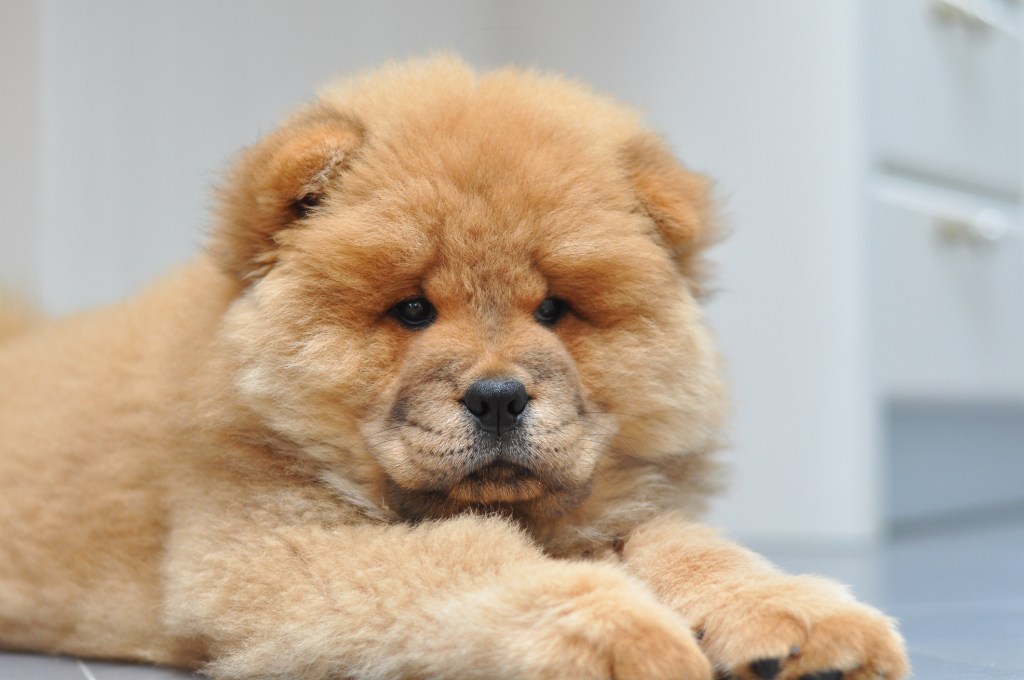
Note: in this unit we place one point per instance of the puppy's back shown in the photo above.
(16, 316)
(87, 406)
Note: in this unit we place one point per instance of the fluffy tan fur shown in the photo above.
(254, 469)
(15, 316)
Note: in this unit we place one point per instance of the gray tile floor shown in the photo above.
(959, 597)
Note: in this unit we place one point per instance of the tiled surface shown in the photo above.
(18, 666)
(959, 597)
(94, 670)
(32, 667)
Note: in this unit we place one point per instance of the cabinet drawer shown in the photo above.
(945, 90)
(947, 306)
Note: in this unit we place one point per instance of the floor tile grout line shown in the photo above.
(85, 670)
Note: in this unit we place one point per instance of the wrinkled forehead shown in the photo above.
(485, 204)
(516, 234)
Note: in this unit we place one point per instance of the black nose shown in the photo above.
(497, 403)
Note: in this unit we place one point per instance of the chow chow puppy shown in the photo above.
(437, 402)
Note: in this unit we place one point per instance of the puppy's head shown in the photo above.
(464, 291)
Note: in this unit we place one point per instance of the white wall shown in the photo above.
(143, 103)
(19, 152)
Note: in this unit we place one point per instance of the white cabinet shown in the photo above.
(944, 229)
(945, 253)
(944, 90)
(947, 288)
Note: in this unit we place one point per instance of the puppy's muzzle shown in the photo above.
(496, 403)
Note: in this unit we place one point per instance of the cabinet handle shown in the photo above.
(972, 14)
(988, 227)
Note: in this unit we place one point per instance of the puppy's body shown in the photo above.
(91, 410)
(15, 317)
(271, 464)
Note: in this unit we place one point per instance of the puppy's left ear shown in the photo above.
(678, 201)
(277, 183)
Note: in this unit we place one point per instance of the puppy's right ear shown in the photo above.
(277, 183)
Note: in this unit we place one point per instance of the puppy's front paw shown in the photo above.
(800, 628)
(592, 623)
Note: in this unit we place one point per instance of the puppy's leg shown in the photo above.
(757, 622)
(464, 598)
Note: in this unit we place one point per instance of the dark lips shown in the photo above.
(500, 473)
(499, 482)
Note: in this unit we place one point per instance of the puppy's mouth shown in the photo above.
(498, 482)
(499, 472)
(498, 486)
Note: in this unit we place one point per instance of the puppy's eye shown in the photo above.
(305, 205)
(415, 312)
(550, 310)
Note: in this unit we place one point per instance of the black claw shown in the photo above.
(766, 669)
(823, 675)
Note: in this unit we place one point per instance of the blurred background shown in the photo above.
(868, 155)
